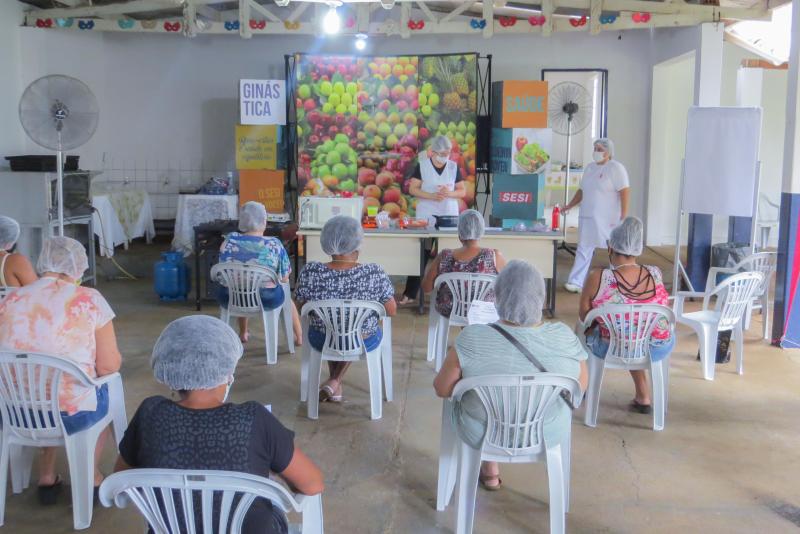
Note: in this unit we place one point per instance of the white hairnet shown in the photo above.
(627, 237)
(63, 255)
(252, 217)
(441, 143)
(9, 232)
(606, 143)
(519, 293)
(195, 352)
(470, 225)
(341, 235)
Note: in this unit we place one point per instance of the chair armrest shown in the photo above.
(106, 379)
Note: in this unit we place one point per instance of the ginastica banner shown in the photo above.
(362, 123)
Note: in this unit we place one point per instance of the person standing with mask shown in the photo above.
(603, 196)
(438, 185)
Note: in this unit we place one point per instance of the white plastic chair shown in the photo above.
(734, 296)
(163, 496)
(768, 218)
(516, 407)
(29, 390)
(244, 282)
(630, 327)
(761, 262)
(343, 320)
(465, 287)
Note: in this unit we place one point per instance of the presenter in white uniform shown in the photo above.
(438, 185)
(603, 197)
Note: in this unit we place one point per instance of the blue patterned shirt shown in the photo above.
(265, 251)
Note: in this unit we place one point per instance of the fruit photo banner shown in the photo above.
(363, 121)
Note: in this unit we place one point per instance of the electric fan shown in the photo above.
(60, 113)
(569, 112)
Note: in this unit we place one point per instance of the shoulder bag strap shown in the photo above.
(536, 363)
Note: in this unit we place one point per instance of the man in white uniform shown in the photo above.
(603, 197)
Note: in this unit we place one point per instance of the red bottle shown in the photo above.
(556, 217)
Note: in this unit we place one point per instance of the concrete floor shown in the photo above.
(726, 462)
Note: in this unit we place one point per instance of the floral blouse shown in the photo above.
(317, 281)
(483, 263)
(609, 293)
(265, 251)
(57, 318)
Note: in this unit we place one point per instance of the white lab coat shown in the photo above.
(431, 181)
(599, 212)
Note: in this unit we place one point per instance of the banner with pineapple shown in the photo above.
(362, 123)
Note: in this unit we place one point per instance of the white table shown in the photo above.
(194, 210)
(401, 252)
(120, 217)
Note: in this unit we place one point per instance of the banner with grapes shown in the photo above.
(362, 123)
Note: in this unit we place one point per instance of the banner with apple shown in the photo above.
(363, 121)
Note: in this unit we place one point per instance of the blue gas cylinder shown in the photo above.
(171, 277)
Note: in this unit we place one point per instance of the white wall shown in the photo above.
(11, 134)
(168, 104)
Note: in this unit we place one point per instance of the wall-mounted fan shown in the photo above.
(59, 113)
(569, 112)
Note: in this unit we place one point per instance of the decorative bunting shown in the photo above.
(125, 24)
(291, 25)
(416, 24)
(64, 23)
(232, 25)
(148, 24)
(537, 21)
(505, 22)
(607, 19)
(85, 24)
(257, 24)
(640, 17)
(478, 24)
(577, 23)
(172, 26)
(44, 23)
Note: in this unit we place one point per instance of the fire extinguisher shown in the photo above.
(554, 223)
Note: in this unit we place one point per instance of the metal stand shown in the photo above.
(81, 220)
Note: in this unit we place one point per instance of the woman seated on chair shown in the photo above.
(480, 350)
(196, 356)
(627, 282)
(56, 316)
(15, 269)
(470, 258)
(252, 246)
(346, 279)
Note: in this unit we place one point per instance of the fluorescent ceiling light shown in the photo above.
(331, 22)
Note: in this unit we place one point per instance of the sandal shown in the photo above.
(405, 301)
(328, 394)
(490, 487)
(48, 495)
(644, 409)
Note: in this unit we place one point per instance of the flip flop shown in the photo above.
(644, 409)
(494, 487)
(48, 495)
(328, 394)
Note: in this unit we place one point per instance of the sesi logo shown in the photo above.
(516, 198)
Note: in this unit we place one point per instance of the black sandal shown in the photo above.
(48, 495)
(644, 409)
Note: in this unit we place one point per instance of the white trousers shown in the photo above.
(583, 260)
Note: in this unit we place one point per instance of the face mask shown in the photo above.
(598, 156)
(227, 391)
(439, 161)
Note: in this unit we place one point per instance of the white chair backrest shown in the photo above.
(29, 389)
(343, 320)
(734, 295)
(465, 287)
(516, 407)
(768, 211)
(173, 500)
(244, 282)
(765, 263)
(630, 327)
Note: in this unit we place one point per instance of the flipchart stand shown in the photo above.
(719, 169)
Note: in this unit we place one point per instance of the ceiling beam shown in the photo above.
(134, 6)
(595, 10)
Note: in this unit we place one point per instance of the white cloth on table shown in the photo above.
(121, 216)
(194, 210)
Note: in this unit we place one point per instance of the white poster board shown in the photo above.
(721, 161)
(262, 102)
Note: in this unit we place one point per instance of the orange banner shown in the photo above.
(262, 186)
(524, 104)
